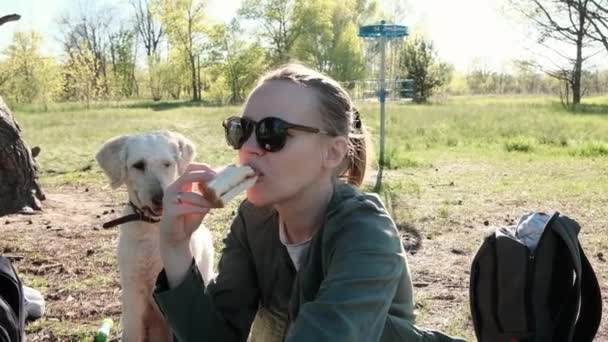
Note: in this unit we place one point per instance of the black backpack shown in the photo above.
(12, 313)
(551, 294)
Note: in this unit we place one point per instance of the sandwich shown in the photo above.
(227, 184)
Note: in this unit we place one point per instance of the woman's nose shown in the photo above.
(250, 146)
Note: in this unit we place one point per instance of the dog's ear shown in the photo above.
(112, 158)
(185, 151)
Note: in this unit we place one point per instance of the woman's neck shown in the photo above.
(303, 215)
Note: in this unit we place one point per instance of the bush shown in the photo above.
(593, 149)
(519, 145)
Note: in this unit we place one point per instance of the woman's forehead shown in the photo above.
(285, 99)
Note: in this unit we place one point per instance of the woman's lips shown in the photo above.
(257, 171)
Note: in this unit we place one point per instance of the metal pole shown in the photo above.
(382, 97)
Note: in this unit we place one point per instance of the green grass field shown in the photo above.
(452, 170)
(483, 128)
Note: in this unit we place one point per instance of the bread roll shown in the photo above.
(228, 183)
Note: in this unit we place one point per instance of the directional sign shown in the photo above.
(388, 31)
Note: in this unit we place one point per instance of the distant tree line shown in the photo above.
(170, 49)
(521, 77)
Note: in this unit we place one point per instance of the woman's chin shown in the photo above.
(254, 198)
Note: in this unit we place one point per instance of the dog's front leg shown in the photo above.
(134, 307)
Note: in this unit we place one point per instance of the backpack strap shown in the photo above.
(589, 304)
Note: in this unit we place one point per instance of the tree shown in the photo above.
(562, 22)
(184, 22)
(280, 24)
(348, 62)
(80, 76)
(418, 61)
(174, 74)
(85, 43)
(235, 62)
(527, 78)
(150, 32)
(315, 42)
(330, 39)
(478, 77)
(122, 59)
(365, 11)
(27, 75)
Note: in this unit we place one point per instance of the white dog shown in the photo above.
(147, 163)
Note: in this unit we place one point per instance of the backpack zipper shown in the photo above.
(529, 287)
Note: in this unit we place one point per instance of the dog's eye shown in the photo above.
(139, 165)
(167, 164)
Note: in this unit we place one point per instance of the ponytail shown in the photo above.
(356, 159)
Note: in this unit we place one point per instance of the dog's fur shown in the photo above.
(164, 156)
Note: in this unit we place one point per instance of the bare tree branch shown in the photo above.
(600, 7)
(601, 37)
(598, 18)
(8, 18)
(554, 25)
(148, 29)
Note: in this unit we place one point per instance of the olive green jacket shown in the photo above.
(354, 284)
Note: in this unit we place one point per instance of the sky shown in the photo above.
(463, 31)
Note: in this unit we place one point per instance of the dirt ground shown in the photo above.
(65, 253)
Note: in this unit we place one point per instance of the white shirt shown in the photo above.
(296, 250)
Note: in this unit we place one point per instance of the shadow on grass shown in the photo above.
(132, 104)
(591, 108)
(584, 108)
(166, 105)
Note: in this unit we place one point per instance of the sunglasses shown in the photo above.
(271, 133)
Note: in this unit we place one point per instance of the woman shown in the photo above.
(308, 256)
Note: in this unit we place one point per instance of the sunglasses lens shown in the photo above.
(236, 132)
(271, 134)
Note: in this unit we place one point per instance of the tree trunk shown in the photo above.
(578, 63)
(19, 188)
(193, 77)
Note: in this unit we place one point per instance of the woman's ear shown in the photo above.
(335, 151)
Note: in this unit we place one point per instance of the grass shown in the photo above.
(451, 169)
(70, 135)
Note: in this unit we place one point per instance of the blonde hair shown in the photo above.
(338, 113)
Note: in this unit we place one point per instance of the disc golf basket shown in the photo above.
(382, 35)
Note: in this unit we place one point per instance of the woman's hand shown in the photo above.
(184, 210)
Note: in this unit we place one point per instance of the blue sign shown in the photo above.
(388, 31)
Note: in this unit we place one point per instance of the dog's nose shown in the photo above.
(157, 199)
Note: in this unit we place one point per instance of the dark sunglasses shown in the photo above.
(271, 133)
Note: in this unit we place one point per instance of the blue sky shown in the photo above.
(463, 30)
